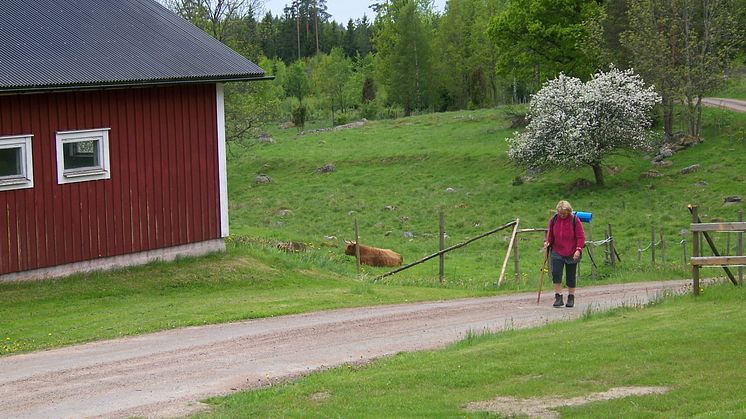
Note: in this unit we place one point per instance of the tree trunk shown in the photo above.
(668, 117)
(598, 173)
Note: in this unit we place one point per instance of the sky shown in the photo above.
(341, 10)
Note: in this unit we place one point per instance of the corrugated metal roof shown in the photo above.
(50, 44)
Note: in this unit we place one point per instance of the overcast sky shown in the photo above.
(341, 10)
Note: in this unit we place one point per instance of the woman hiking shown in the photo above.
(565, 241)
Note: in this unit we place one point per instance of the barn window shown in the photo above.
(16, 163)
(82, 155)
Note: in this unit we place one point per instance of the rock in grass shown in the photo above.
(265, 138)
(327, 168)
(262, 179)
(733, 199)
(690, 169)
(650, 174)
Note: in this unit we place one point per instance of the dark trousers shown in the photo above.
(570, 266)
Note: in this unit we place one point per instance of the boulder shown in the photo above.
(732, 198)
(327, 168)
(265, 138)
(650, 174)
(262, 179)
(690, 169)
(663, 163)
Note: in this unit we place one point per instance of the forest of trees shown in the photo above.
(408, 58)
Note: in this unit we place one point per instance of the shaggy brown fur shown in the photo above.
(374, 256)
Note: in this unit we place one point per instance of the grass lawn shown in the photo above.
(692, 346)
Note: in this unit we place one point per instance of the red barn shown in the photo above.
(112, 139)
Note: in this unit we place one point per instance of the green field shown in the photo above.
(393, 178)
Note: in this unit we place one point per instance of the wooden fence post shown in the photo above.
(652, 244)
(639, 250)
(357, 248)
(442, 245)
(739, 247)
(594, 275)
(516, 258)
(695, 252)
(683, 248)
(663, 250)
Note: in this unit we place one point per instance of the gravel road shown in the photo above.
(167, 373)
(732, 104)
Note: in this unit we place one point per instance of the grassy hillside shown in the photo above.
(394, 176)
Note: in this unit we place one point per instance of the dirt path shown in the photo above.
(167, 373)
(732, 104)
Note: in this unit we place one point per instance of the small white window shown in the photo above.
(83, 155)
(16, 163)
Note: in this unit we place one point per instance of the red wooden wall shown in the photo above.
(164, 187)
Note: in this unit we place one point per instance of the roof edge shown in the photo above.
(129, 83)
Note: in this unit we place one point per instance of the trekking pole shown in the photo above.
(541, 277)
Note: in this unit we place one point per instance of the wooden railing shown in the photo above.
(699, 228)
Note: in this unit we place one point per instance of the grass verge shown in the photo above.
(691, 345)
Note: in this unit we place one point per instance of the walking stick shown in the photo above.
(541, 277)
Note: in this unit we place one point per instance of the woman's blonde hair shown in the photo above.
(564, 205)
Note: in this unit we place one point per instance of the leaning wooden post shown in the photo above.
(739, 247)
(652, 244)
(507, 254)
(683, 249)
(607, 252)
(357, 248)
(442, 245)
(695, 251)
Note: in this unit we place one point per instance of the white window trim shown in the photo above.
(222, 165)
(98, 173)
(26, 179)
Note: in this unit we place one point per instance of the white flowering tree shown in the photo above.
(575, 124)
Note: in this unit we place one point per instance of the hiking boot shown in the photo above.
(558, 300)
(570, 301)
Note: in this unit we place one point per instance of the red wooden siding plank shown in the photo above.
(41, 175)
(169, 175)
(196, 169)
(5, 255)
(30, 226)
(181, 169)
(157, 177)
(149, 161)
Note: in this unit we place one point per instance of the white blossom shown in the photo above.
(576, 124)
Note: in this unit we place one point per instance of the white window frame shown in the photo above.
(26, 178)
(85, 174)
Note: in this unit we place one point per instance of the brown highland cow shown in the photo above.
(374, 256)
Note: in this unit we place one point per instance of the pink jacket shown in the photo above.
(560, 236)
